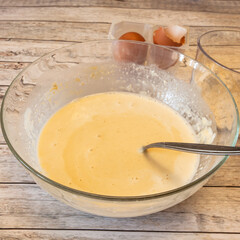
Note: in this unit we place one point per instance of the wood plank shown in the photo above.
(12, 171)
(209, 210)
(222, 6)
(27, 50)
(9, 70)
(31, 34)
(107, 15)
(196, 31)
(107, 235)
(64, 31)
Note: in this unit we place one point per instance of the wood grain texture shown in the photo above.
(2, 141)
(107, 15)
(108, 235)
(221, 6)
(12, 171)
(209, 210)
(32, 28)
(3, 89)
(36, 32)
(27, 50)
(9, 70)
(66, 31)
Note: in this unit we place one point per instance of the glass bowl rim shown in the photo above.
(108, 197)
(208, 56)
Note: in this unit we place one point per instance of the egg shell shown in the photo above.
(160, 38)
(176, 33)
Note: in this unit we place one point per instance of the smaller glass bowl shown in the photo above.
(219, 50)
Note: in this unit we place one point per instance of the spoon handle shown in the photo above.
(207, 149)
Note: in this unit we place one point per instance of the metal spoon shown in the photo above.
(207, 149)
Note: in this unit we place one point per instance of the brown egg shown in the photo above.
(132, 36)
(130, 51)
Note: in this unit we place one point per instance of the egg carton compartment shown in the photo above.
(117, 29)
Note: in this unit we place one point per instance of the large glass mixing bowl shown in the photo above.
(75, 71)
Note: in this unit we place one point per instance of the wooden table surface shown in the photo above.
(31, 28)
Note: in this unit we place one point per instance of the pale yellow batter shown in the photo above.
(92, 144)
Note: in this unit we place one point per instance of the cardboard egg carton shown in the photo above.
(117, 29)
